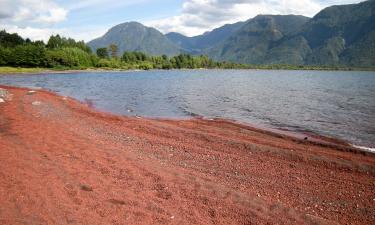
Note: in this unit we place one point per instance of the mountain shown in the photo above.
(342, 35)
(338, 35)
(197, 43)
(133, 36)
(254, 40)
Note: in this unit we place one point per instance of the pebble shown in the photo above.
(31, 92)
(3, 95)
(36, 103)
(86, 188)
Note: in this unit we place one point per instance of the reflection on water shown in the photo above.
(339, 104)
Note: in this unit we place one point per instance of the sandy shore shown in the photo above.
(62, 162)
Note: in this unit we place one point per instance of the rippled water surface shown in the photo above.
(338, 104)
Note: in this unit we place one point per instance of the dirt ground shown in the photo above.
(62, 162)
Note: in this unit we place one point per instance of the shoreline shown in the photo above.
(311, 135)
(297, 136)
(64, 162)
(21, 70)
(63, 71)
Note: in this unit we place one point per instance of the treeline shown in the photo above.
(60, 52)
(66, 53)
(139, 60)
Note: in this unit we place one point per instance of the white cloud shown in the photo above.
(32, 33)
(106, 5)
(54, 15)
(37, 19)
(44, 33)
(198, 16)
(32, 19)
(31, 11)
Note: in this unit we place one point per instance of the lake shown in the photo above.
(333, 103)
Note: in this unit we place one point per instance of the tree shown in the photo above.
(113, 47)
(129, 57)
(10, 40)
(39, 43)
(69, 57)
(102, 53)
(54, 42)
(57, 42)
(5, 56)
(28, 55)
(140, 56)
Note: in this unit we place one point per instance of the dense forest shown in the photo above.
(66, 53)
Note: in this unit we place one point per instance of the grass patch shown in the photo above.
(18, 70)
(10, 70)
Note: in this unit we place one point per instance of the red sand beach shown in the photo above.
(62, 162)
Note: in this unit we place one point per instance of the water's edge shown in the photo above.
(328, 103)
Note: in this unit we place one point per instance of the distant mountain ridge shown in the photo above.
(197, 43)
(338, 35)
(133, 36)
(253, 42)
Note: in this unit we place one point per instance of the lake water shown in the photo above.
(333, 103)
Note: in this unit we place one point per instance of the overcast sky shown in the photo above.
(88, 19)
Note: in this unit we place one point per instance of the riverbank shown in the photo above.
(64, 162)
(21, 70)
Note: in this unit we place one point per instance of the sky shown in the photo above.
(89, 19)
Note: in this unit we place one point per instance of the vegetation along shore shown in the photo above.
(18, 55)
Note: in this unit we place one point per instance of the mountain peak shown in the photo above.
(134, 36)
(337, 35)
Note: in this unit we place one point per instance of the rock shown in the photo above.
(117, 202)
(31, 92)
(3, 93)
(2, 100)
(86, 188)
(36, 103)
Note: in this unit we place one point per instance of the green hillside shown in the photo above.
(338, 35)
(133, 36)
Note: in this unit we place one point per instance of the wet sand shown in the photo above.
(62, 162)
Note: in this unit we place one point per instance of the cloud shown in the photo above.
(32, 19)
(103, 5)
(38, 19)
(32, 32)
(43, 12)
(198, 16)
(44, 33)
